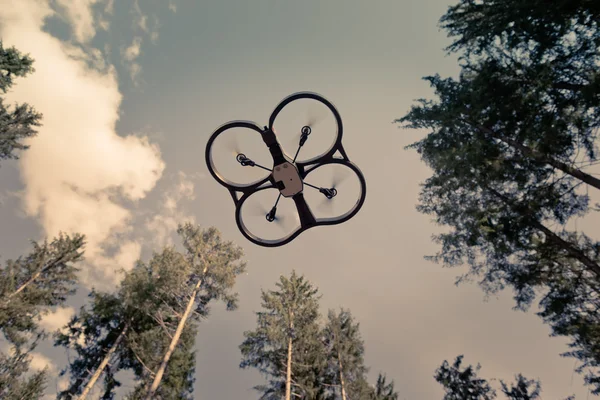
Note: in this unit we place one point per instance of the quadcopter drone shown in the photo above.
(287, 176)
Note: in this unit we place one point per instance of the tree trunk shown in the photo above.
(33, 278)
(174, 340)
(567, 169)
(288, 377)
(571, 249)
(103, 364)
(342, 382)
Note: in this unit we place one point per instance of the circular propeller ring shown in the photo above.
(240, 157)
(319, 221)
(336, 145)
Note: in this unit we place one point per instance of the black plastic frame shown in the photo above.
(307, 219)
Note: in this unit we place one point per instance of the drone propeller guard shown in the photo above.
(287, 176)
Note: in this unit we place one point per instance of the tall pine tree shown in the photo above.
(29, 287)
(463, 384)
(211, 266)
(286, 346)
(509, 143)
(345, 353)
(19, 123)
(150, 324)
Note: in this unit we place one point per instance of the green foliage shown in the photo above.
(148, 347)
(19, 123)
(14, 384)
(90, 334)
(463, 384)
(148, 307)
(508, 143)
(384, 390)
(31, 284)
(289, 313)
(523, 389)
(319, 353)
(344, 351)
(535, 26)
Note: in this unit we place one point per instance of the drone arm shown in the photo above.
(271, 141)
(307, 219)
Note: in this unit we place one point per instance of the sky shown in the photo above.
(130, 93)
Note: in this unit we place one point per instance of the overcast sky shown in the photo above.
(131, 91)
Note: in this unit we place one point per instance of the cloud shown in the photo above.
(57, 319)
(130, 54)
(140, 20)
(163, 224)
(79, 14)
(133, 51)
(40, 361)
(78, 171)
(110, 7)
(173, 7)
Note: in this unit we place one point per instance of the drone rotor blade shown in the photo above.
(326, 204)
(338, 177)
(314, 115)
(257, 210)
(233, 145)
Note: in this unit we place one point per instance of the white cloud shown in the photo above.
(110, 7)
(78, 166)
(140, 20)
(130, 54)
(57, 319)
(79, 14)
(133, 51)
(163, 224)
(173, 7)
(40, 361)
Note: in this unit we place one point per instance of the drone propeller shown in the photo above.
(233, 145)
(314, 115)
(259, 210)
(331, 191)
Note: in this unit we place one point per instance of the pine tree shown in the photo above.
(14, 382)
(95, 335)
(19, 123)
(345, 352)
(523, 389)
(463, 384)
(286, 346)
(384, 390)
(30, 285)
(144, 327)
(211, 267)
(509, 143)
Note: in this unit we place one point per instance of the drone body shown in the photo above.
(287, 175)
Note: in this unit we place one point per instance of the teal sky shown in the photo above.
(212, 62)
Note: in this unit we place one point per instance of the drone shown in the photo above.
(287, 176)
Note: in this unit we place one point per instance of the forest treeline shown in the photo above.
(149, 324)
(511, 143)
